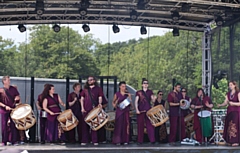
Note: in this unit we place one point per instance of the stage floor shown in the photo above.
(131, 148)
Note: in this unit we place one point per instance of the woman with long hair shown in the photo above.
(199, 103)
(232, 120)
(50, 102)
(122, 119)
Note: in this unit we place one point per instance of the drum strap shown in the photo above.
(144, 93)
(93, 101)
(57, 103)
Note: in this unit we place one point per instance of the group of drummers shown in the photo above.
(87, 117)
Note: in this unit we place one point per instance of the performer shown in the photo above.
(160, 131)
(101, 133)
(50, 102)
(9, 97)
(176, 115)
(200, 102)
(43, 120)
(143, 104)
(91, 97)
(75, 106)
(184, 94)
(121, 132)
(232, 120)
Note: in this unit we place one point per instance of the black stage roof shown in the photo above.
(194, 15)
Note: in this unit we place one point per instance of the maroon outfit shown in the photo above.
(232, 121)
(176, 118)
(43, 121)
(13, 135)
(53, 131)
(186, 111)
(121, 132)
(96, 92)
(161, 131)
(143, 106)
(76, 109)
(197, 125)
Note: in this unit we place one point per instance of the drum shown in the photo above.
(206, 122)
(23, 117)
(157, 115)
(111, 122)
(96, 118)
(124, 104)
(189, 124)
(184, 104)
(67, 120)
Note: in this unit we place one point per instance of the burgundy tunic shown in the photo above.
(143, 103)
(174, 98)
(7, 100)
(197, 126)
(232, 121)
(122, 122)
(43, 121)
(53, 106)
(76, 107)
(186, 111)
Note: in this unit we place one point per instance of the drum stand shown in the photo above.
(217, 137)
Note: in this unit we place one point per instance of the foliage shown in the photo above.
(218, 95)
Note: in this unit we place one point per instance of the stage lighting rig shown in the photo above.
(39, 8)
(133, 14)
(175, 32)
(175, 15)
(84, 4)
(56, 28)
(85, 28)
(143, 30)
(115, 28)
(22, 28)
(219, 21)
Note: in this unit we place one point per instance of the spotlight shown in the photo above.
(84, 4)
(219, 21)
(175, 16)
(85, 28)
(175, 32)
(133, 14)
(22, 28)
(143, 30)
(141, 4)
(56, 28)
(39, 8)
(115, 28)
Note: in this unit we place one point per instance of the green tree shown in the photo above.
(218, 95)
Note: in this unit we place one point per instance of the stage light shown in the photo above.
(143, 30)
(175, 32)
(219, 21)
(133, 14)
(84, 4)
(141, 4)
(22, 28)
(115, 28)
(56, 28)
(85, 28)
(175, 15)
(39, 8)
(185, 7)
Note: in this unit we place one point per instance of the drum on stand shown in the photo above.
(67, 120)
(189, 124)
(206, 122)
(157, 115)
(23, 117)
(96, 118)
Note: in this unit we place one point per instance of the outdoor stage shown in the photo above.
(131, 148)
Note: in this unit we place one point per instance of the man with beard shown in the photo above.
(91, 96)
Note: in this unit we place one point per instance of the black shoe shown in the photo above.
(42, 142)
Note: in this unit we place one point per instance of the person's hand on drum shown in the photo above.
(51, 113)
(100, 105)
(137, 111)
(83, 110)
(8, 108)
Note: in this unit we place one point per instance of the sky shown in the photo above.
(98, 31)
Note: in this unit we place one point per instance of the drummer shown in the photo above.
(160, 131)
(91, 96)
(199, 103)
(50, 102)
(121, 132)
(9, 96)
(143, 101)
(184, 94)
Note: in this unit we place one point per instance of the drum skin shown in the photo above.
(23, 117)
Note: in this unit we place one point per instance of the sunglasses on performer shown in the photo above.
(145, 82)
(160, 94)
(90, 80)
(184, 91)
